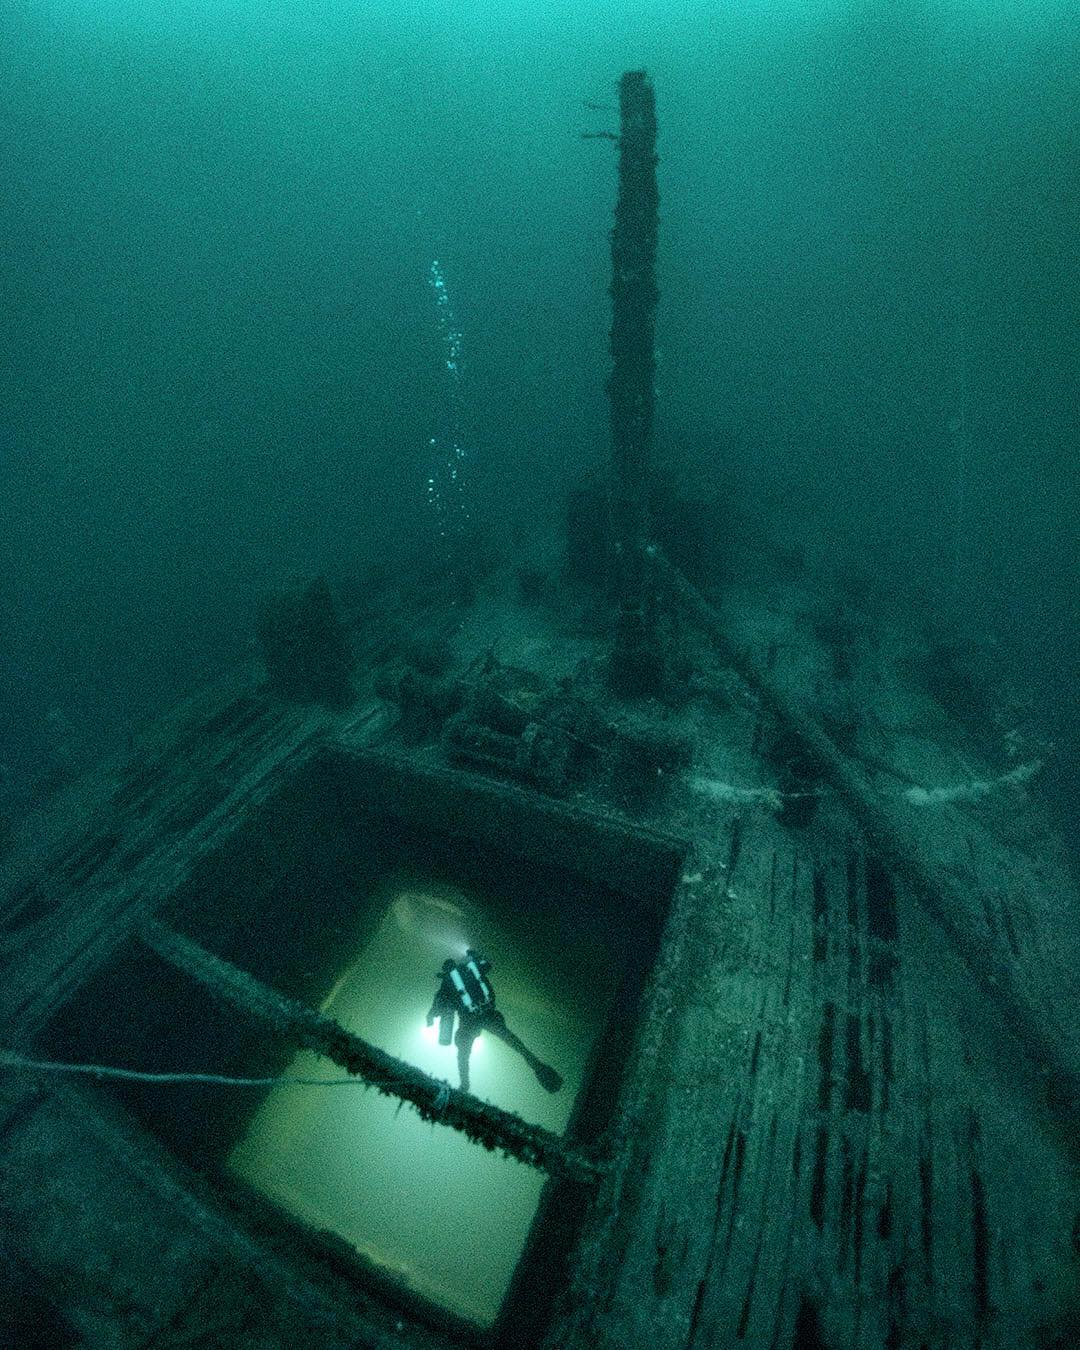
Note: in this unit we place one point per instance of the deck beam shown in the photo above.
(433, 1099)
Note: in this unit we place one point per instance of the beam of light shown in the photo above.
(430, 1037)
(399, 1189)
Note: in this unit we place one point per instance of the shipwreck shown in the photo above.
(757, 872)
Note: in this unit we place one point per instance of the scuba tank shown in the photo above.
(475, 994)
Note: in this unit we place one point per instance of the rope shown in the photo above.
(9, 1059)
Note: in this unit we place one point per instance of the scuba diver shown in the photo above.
(465, 990)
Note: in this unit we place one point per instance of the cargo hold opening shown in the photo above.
(347, 892)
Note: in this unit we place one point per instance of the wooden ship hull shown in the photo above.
(831, 1100)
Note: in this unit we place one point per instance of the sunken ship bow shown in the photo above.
(799, 934)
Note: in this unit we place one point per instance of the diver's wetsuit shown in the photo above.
(465, 990)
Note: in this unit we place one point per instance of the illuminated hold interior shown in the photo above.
(448, 1219)
(334, 900)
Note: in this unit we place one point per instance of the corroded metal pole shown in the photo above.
(636, 663)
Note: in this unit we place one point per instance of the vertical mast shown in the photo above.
(635, 661)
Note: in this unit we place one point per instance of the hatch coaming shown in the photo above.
(286, 874)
